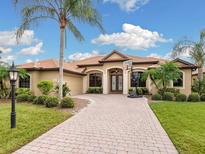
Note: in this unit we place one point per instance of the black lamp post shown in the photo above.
(13, 74)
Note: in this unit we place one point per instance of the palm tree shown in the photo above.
(196, 51)
(64, 12)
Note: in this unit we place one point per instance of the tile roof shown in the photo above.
(78, 67)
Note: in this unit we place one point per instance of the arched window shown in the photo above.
(136, 79)
(179, 81)
(24, 82)
(95, 80)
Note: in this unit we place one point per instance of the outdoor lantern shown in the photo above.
(13, 74)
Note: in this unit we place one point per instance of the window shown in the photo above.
(136, 80)
(179, 82)
(24, 83)
(95, 80)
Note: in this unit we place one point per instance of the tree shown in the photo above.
(64, 12)
(163, 75)
(196, 50)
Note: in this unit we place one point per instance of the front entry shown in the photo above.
(116, 83)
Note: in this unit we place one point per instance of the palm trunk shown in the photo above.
(200, 73)
(61, 61)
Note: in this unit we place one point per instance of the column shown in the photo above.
(125, 81)
(105, 82)
(85, 84)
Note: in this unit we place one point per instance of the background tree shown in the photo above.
(64, 12)
(196, 51)
(162, 76)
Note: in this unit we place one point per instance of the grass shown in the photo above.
(32, 121)
(184, 123)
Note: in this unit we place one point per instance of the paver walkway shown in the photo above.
(112, 124)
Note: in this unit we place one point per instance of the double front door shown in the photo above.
(116, 83)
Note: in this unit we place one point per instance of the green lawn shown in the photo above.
(32, 121)
(184, 123)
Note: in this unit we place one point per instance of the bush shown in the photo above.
(20, 91)
(181, 98)
(95, 90)
(130, 90)
(40, 100)
(202, 98)
(66, 89)
(67, 102)
(145, 91)
(31, 98)
(139, 91)
(168, 96)
(22, 98)
(171, 90)
(45, 86)
(52, 102)
(194, 97)
(156, 96)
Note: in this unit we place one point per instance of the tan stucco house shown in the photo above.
(109, 72)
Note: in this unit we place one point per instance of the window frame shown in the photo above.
(95, 80)
(25, 85)
(131, 75)
(183, 82)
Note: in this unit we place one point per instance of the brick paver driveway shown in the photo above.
(111, 124)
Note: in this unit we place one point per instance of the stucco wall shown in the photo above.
(75, 82)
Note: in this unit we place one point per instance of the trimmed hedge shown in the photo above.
(95, 90)
(67, 102)
(202, 98)
(52, 102)
(31, 98)
(20, 91)
(40, 100)
(194, 97)
(168, 96)
(22, 98)
(181, 98)
(156, 97)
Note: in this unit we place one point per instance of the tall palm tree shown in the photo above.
(196, 51)
(65, 13)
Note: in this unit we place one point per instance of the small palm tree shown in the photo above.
(64, 12)
(196, 51)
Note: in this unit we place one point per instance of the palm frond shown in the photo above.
(75, 31)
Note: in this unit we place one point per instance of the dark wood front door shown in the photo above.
(116, 83)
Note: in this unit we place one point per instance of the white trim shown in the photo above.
(92, 70)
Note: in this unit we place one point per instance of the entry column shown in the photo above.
(105, 82)
(125, 81)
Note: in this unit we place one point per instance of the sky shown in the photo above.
(134, 27)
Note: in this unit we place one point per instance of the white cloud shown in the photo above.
(129, 5)
(81, 56)
(8, 38)
(34, 50)
(29, 61)
(5, 50)
(132, 37)
(7, 58)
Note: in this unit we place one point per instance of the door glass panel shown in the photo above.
(120, 83)
(114, 83)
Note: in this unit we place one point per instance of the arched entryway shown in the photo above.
(116, 80)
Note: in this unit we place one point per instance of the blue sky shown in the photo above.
(136, 27)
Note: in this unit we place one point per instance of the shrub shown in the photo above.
(168, 96)
(202, 98)
(40, 100)
(45, 86)
(139, 91)
(130, 90)
(20, 91)
(52, 102)
(66, 89)
(194, 97)
(67, 102)
(145, 91)
(181, 98)
(156, 96)
(173, 90)
(95, 90)
(22, 98)
(31, 98)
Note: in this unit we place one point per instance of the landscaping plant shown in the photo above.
(40, 100)
(168, 96)
(194, 97)
(156, 97)
(45, 86)
(52, 101)
(181, 98)
(67, 102)
(66, 13)
(66, 89)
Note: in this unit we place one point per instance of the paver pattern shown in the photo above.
(112, 124)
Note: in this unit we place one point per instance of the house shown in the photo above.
(195, 74)
(111, 72)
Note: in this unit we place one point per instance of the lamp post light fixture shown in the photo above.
(13, 75)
